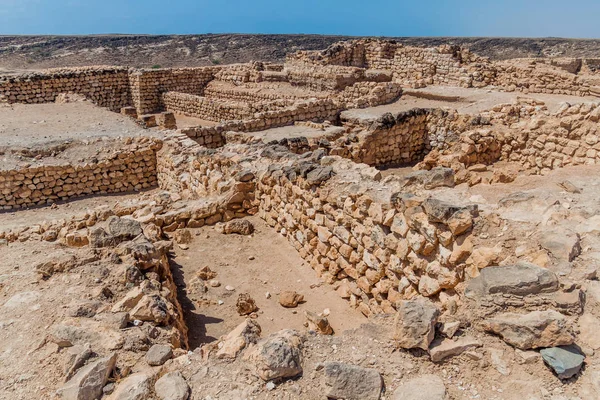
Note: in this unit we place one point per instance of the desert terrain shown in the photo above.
(302, 217)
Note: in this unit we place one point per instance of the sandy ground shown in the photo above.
(26, 125)
(277, 269)
(63, 210)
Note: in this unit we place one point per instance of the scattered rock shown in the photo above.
(134, 387)
(424, 387)
(415, 323)
(172, 386)
(566, 361)
(205, 273)
(351, 382)
(89, 380)
(441, 349)
(235, 341)
(564, 245)
(159, 354)
(278, 356)
(183, 236)
(521, 279)
(290, 299)
(239, 226)
(533, 330)
(245, 304)
(318, 323)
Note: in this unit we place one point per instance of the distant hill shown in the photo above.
(35, 52)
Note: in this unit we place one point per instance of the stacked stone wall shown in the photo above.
(131, 169)
(104, 86)
(147, 86)
(376, 245)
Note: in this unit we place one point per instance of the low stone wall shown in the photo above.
(205, 108)
(324, 77)
(130, 169)
(369, 94)
(147, 86)
(311, 110)
(104, 86)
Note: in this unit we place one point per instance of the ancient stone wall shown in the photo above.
(130, 169)
(305, 110)
(205, 108)
(397, 139)
(147, 86)
(376, 245)
(453, 66)
(104, 86)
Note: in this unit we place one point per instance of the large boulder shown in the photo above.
(351, 382)
(521, 279)
(424, 387)
(89, 380)
(415, 323)
(123, 228)
(278, 355)
(533, 330)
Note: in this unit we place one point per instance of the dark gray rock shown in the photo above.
(566, 361)
(123, 228)
(319, 175)
(520, 279)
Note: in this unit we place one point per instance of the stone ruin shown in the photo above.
(392, 206)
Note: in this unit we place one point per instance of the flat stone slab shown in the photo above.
(520, 279)
(566, 361)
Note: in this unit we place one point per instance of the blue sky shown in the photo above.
(527, 18)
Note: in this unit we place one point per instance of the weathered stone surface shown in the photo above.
(278, 356)
(89, 380)
(134, 387)
(441, 349)
(245, 304)
(533, 330)
(239, 226)
(521, 279)
(172, 386)
(424, 387)
(415, 323)
(564, 245)
(566, 361)
(588, 330)
(159, 354)
(438, 177)
(319, 175)
(123, 228)
(351, 382)
(235, 341)
(318, 323)
(290, 299)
